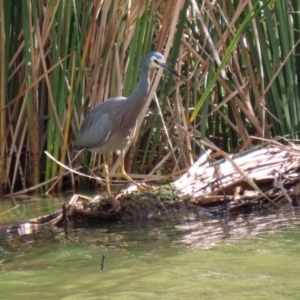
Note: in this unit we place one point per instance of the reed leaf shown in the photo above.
(59, 59)
(3, 91)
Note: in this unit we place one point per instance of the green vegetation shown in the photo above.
(61, 58)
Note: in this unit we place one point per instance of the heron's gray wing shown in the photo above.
(98, 124)
(95, 130)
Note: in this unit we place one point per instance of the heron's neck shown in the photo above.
(138, 96)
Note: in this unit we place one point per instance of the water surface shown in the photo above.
(244, 257)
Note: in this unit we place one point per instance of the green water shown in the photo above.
(245, 257)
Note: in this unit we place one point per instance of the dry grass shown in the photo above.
(63, 60)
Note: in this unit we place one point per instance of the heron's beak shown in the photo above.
(166, 67)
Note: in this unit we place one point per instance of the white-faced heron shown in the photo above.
(111, 125)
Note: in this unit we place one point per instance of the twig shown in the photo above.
(65, 220)
(102, 262)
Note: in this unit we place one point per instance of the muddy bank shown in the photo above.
(265, 179)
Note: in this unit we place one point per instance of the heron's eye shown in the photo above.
(155, 60)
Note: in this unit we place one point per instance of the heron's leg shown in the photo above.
(123, 172)
(141, 188)
(106, 173)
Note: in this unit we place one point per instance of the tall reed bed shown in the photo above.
(59, 59)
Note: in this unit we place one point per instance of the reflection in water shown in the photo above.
(194, 258)
(209, 233)
(194, 232)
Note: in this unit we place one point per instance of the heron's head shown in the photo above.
(157, 60)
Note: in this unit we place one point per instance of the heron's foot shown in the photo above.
(145, 188)
(141, 188)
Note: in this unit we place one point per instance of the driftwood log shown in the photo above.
(269, 173)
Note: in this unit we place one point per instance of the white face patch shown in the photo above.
(155, 60)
